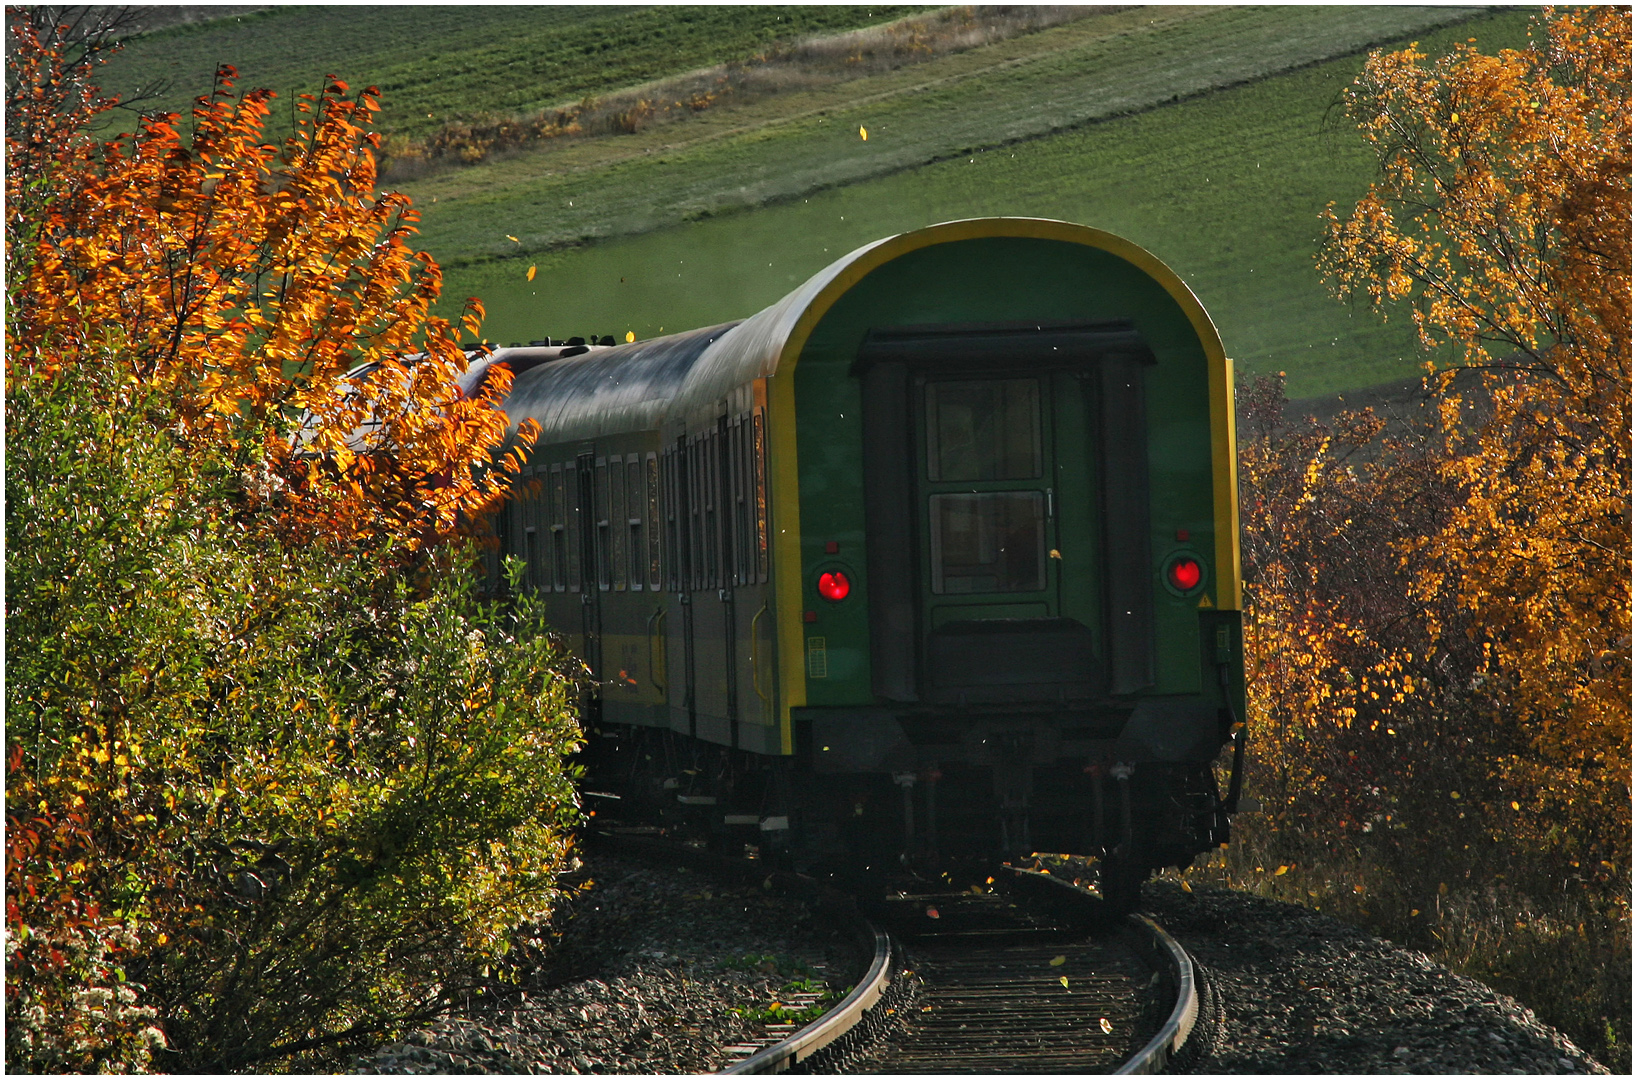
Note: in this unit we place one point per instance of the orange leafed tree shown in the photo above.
(1502, 217)
(269, 797)
(244, 281)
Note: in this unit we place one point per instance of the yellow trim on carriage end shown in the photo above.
(786, 507)
(786, 495)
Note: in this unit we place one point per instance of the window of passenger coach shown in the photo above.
(988, 542)
(653, 521)
(983, 430)
(759, 463)
(605, 554)
(559, 530)
(636, 549)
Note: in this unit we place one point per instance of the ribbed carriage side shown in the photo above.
(590, 512)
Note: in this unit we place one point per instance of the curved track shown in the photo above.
(1032, 976)
(1029, 979)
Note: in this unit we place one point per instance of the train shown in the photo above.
(933, 560)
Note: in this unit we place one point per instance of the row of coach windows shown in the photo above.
(546, 533)
(695, 519)
(715, 498)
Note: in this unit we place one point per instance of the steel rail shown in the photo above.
(1165, 1045)
(833, 1024)
(1154, 1057)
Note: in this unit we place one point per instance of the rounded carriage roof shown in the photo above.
(639, 386)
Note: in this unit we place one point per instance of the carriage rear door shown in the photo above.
(992, 623)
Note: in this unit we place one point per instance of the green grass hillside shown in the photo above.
(1225, 186)
(788, 145)
(433, 63)
(1207, 134)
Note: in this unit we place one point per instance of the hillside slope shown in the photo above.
(791, 145)
(435, 62)
(1207, 134)
(1225, 186)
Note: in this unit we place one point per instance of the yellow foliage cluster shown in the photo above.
(1504, 215)
(1449, 609)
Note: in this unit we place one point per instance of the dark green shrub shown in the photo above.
(279, 797)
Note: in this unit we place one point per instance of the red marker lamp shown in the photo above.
(1184, 573)
(834, 585)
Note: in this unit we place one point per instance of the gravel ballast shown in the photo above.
(660, 971)
(1300, 992)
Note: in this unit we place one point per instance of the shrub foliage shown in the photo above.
(1440, 656)
(278, 779)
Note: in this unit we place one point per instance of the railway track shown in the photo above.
(1024, 977)
(1006, 985)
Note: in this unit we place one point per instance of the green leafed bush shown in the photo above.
(265, 802)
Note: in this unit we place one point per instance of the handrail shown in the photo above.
(657, 616)
(755, 657)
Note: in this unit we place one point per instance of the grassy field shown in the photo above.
(433, 63)
(787, 146)
(1225, 187)
(1199, 132)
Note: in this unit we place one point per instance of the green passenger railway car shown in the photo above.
(935, 556)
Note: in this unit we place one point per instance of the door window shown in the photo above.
(987, 508)
(987, 542)
(988, 430)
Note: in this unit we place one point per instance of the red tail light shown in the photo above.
(833, 585)
(1184, 573)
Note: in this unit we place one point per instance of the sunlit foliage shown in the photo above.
(245, 280)
(278, 780)
(1440, 608)
(1503, 218)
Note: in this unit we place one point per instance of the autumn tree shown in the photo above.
(246, 281)
(1502, 219)
(1439, 608)
(269, 795)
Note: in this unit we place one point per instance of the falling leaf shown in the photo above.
(630, 335)
(513, 239)
(1054, 553)
(1414, 911)
(1064, 979)
(1108, 1028)
(1059, 961)
(532, 269)
(862, 134)
(932, 913)
(1281, 870)
(1185, 886)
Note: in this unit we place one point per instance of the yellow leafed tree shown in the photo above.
(1502, 218)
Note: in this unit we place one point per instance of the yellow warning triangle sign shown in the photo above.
(1205, 601)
